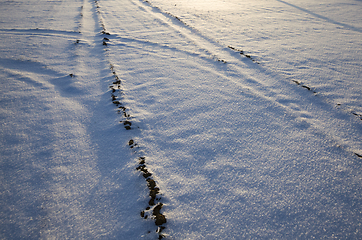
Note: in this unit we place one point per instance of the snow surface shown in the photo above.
(248, 114)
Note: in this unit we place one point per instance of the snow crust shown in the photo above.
(248, 115)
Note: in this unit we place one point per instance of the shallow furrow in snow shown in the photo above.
(314, 43)
(234, 149)
(65, 165)
(153, 210)
(320, 114)
(238, 151)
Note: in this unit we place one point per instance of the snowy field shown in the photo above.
(181, 119)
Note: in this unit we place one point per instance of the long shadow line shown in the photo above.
(323, 17)
(39, 31)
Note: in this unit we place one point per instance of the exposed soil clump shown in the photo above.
(153, 210)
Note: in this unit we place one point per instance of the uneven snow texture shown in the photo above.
(66, 169)
(247, 113)
(315, 42)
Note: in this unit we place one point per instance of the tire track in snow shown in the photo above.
(269, 91)
(317, 112)
(210, 46)
(344, 25)
(214, 46)
(153, 210)
(300, 103)
(204, 40)
(173, 22)
(40, 31)
(241, 52)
